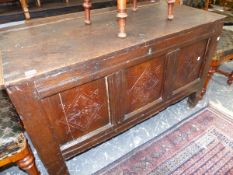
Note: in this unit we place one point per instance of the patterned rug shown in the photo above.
(202, 144)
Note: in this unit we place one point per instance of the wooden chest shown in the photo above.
(76, 86)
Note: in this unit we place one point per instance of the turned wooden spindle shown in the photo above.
(87, 7)
(135, 6)
(27, 163)
(171, 4)
(25, 8)
(121, 15)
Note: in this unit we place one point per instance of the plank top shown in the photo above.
(40, 46)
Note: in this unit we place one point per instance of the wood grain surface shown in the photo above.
(37, 48)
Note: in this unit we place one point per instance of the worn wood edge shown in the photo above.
(53, 72)
(81, 139)
(1, 73)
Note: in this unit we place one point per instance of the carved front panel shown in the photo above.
(144, 83)
(190, 59)
(78, 111)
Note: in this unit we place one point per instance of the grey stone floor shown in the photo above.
(219, 95)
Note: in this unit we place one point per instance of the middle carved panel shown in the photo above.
(144, 83)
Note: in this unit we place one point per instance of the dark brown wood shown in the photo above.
(144, 83)
(116, 82)
(213, 68)
(79, 86)
(204, 72)
(172, 61)
(92, 45)
(78, 111)
(33, 116)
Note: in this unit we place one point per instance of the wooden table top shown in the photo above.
(40, 46)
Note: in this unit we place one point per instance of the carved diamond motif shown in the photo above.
(146, 81)
(82, 112)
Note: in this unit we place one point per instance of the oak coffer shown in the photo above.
(76, 86)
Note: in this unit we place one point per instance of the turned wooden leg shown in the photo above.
(230, 78)
(87, 7)
(206, 4)
(121, 15)
(135, 6)
(213, 68)
(170, 15)
(25, 9)
(28, 163)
